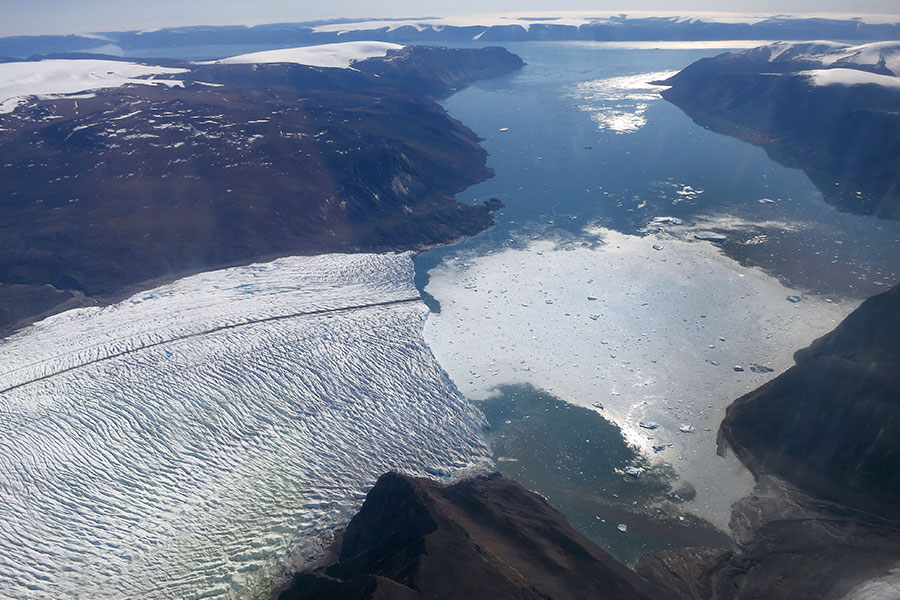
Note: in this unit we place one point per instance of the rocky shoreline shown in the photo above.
(233, 164)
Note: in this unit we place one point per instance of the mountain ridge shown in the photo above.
(231, 164)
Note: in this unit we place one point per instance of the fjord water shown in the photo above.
(559, 160)
(592, 289)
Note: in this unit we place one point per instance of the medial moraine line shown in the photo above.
(309, 313)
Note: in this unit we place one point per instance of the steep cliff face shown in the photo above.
(830, 425)
(440, 71)
(483, 538)
(844, 134)
(822, 439)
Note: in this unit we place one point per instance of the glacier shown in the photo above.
(183, 442)
(340, 55)
(56, 77)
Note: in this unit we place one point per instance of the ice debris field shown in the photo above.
(661, 329)
(180, 443)
(619, 104)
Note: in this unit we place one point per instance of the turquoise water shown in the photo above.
(576, 459)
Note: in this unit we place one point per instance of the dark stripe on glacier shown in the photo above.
(309, 313)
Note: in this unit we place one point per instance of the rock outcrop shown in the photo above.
(844, 136)
(482, 538)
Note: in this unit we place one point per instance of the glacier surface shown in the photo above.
(182, 443)
(341, 55)
(821, 77)
(19, 80)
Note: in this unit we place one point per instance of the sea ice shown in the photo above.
(619, 103)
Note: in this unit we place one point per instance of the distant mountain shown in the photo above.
(830, 109)
(115, 173)
(23, 46)
(480, 539)
(487, 28)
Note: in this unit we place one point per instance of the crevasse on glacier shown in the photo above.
(180, 443)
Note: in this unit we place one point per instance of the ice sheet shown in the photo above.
(18, 80)
(850, 77)
(341, 55)
(577, 18)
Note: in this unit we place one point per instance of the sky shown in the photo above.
(35, 17)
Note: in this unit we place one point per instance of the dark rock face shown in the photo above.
(440, 71)
(845, 138)
(483, 538)
(822, 439)
(796, 547)
(104, 194)
(830, 425)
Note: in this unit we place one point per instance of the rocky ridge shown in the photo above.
(110, 191)
(826, 108)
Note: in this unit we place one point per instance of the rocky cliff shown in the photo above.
(822, 440)
(483, 538)
(830, 425)
(828, 109)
